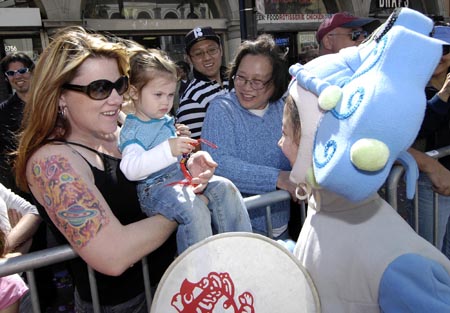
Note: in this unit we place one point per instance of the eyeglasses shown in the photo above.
(21, 71)
(101, 89)
(256, 84)
(445, 49)
(201, 54)
(354, 34)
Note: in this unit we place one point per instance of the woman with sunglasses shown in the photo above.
(68, 158)
(154, 155)
(245, 124)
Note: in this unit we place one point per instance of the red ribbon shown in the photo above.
(184, 170)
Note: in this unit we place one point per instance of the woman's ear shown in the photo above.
(62, 101)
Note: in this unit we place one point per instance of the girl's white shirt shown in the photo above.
(10, 200)
(138, 164)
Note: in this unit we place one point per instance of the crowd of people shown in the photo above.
(173, 167)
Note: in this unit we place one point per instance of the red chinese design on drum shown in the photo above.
(202, 297)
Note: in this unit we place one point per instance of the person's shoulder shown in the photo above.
(5, 103)
(226, 99)
(223, 103)
(199, 90)
(53, 155)
(277, 104)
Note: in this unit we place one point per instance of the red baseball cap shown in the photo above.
(347, 20)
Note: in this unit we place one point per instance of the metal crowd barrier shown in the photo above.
(392, 184)
(28, 262)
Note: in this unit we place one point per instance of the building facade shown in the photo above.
(27, 25)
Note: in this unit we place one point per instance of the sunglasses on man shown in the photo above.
(20, 71)
(354, 34)
(101, 89)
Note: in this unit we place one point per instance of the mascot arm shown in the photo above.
(413, 283)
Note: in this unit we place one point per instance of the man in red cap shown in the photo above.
(342, 30)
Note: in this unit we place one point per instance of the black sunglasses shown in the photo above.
(21, 71)
(445, 49)
(356, 33)
(101, 89)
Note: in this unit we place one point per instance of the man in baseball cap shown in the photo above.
(198, 34)
(342, 30)
(204, 52)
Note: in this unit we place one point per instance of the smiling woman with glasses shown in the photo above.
(254, 83)
(246, 125)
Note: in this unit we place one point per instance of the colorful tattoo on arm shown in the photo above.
(69, 202)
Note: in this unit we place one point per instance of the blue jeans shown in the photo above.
(426, 223)
(135, 305)
(225, 212)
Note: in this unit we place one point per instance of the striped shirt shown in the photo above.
(195, 101)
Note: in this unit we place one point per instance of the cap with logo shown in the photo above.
(346, 20)
(199, 34)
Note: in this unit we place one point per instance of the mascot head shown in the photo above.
(361, 109)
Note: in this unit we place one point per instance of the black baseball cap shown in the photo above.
(199, 34)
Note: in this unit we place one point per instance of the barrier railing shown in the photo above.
(28, 262)
(391, 187)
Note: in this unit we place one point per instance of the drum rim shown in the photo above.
(182, 256)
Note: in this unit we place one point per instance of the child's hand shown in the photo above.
(181, 145)
(182, 130)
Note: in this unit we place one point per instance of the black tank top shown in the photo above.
(121, 196)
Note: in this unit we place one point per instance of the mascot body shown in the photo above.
(360, 110)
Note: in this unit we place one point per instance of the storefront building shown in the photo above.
(27, 25)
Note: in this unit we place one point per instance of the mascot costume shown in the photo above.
(360, 110)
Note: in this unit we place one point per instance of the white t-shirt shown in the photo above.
(10, 200)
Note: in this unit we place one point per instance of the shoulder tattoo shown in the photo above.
(69, 202)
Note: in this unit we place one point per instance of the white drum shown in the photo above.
(236, 272)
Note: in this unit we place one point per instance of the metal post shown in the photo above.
(243, 18)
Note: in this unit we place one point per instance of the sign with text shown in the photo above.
(292, 11)
(392, 4)
(290, 18)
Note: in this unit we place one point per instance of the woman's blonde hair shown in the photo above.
(59, 64)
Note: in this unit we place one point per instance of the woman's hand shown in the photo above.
(202, 167)
(284, 183)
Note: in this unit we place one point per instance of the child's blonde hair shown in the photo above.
(291, 111)
(147, 64)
